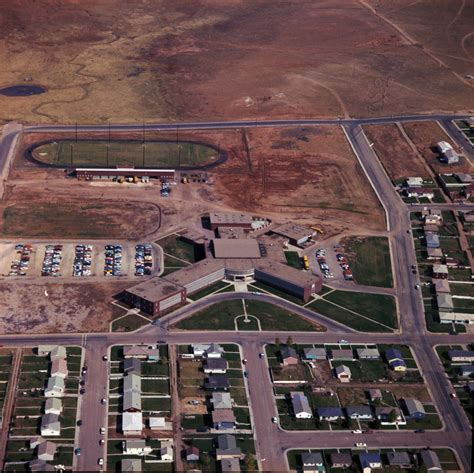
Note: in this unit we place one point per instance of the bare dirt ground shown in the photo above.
(80, 307)
(425, 136)
(396, 156)
(175, 59)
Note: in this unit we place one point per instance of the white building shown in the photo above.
(136, 447)
(55, 387)
(300, 404)
(53, 406)
(50, 426)
(132, 423)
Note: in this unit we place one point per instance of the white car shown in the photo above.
(358, 431)
(360, 444)
(274, 420)
(102, 430)
(101, 461)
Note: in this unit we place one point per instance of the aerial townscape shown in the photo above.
(237, 235)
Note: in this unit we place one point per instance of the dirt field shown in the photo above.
(128, 61)
(425, 136)
(79, 307)
(394, 152)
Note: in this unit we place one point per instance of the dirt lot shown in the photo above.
(208, 58)
(348, 397)
(79, 307)
(394, 152)
(425, 136)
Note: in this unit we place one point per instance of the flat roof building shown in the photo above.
(236, 248)
(230, 219)
(107, 173)
(295, 233)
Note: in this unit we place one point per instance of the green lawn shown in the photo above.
(369, 258)
(221, 316)
(129, 323)
(258, 286)
(174, 246)
(365, 370)
(125, 153)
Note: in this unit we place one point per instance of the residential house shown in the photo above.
(215, 365)
(359, 411)
(414, 182)
(59, 368)
(413, 408)
(132, 401)
(132, 423)
(131, 464)
(50, 426)
(191, 454)
(470, 388)
(157, 423)
(330, 413)
(442, 286)
(142, 352)
(40, 465)
(53, 405)
(300, 404)
(456, 317)
(419, 192)
(430, 228)
(289, 356)
(395, 359)
(209, 350)
(430, 460)
(384, 414)
(221, 401)
(136, 447)
(312, 462)
(440, 271)
(344, 354)
(55, 387)
(466, 371)
(341, 460)
(227, 447)
(369, 461)
(399, 460)
(166, 453)
(343, 373)
(46, 451)
(368, 353)
(217, 382)
(445, 302)
(132, 366)
(432, 240)
(375, 394)
(34, 442)
(230, 464)
(434, 254)
(460, 355)
(223, 419)
(314, 354)
(44, 350)
(57, 352)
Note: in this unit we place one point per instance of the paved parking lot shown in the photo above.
(64, 266)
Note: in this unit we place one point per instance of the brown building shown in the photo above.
(155, 296)
(110, 173)
(236, 248)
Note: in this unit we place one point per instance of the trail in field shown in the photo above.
(463, 44)
(415, 43)
(456, 17)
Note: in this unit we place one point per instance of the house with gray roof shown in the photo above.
(399, 459)
(368, 353)
(413, 408)
(359, 411)
(431, 461)
(313, 354)
(329, 413)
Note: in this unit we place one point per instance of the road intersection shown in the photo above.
(272, 442)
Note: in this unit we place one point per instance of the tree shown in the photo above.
(289, 341)
(277, 342)
(249, 461)
(392, 416)
(206, 461)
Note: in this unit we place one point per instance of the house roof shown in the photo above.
(39, 465)
(344, 458)
(132, 400)
(345, 353)
(53, 403)
(215, 364)
(223, 415)
(226, 442)
(191, 450)
(343, 369)
(132, 421)
(217, 381)
(293, 231)
(367, 458)
(55, 383)
(375, 393)
(135, 443)
(132, 382)
(300, 403)
(329, 412)
(442, 285)
(413, 406)
(59, 365)
(288, 352)
(430, 459)
(140, 351)
(398, 458)
(230, 464)
(315, 353)
(395, 363)
(440, 268)
(310, 459)
(221, 401)
(47, 448)
(131, 464)
(444, 301)
(461, 354)
(157, 422)
(368, 352)
(58, 351)
(133, 365)
(359, 409)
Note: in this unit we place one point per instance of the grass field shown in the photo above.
(370, 260)
(173, 246)
(221, 316)
(125, 153)
(128, 323)
(293, 259)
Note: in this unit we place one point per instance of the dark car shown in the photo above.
(79, 423)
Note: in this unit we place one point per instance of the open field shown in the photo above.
(425, 136)
(68, 308)
(234, 59)
(370, 260)
(94, 153)
(394, 152)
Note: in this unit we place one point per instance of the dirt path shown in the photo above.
(8, 407)
(175, 411)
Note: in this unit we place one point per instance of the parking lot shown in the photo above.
(328, 261)
(77, 260)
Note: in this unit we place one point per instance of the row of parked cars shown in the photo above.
(19, 266)
(82, 260)
(344, 264)
(321, 257)
(143, 259)
(165, 189)
(52, 260)
(113, 260)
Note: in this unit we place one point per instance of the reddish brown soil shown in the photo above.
(425, 136)
(209, 59)
(79, 307)
(396, 155)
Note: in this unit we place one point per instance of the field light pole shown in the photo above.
(143, 144)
